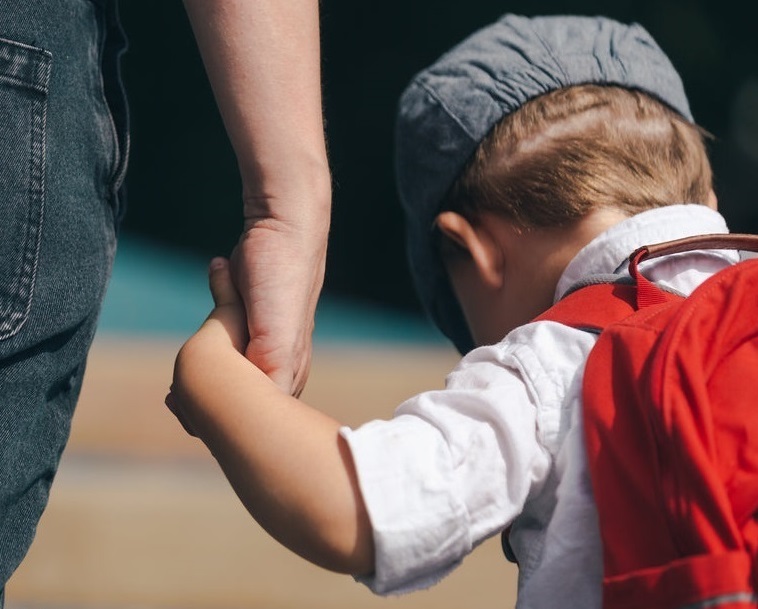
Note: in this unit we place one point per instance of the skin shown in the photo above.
(262, 58)
(286, 460)
(503, 275)
(233, 379)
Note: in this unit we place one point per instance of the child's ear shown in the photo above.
(478, 243)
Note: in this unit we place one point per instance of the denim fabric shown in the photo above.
(63, 153)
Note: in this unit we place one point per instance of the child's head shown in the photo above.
(541, 122)
(585, 147)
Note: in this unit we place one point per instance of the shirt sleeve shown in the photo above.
(450, 469)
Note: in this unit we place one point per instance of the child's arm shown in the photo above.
(285, 460)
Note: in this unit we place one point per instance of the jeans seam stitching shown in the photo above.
(16, 313)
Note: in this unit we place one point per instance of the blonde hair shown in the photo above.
(576, 149)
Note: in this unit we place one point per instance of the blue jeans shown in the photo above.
(63, 153)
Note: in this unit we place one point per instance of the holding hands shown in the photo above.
(286, 461)
(278, 269)
(224, 331)
(235, 378)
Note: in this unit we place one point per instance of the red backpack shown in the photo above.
(671, 430)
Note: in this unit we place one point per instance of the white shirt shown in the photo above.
(502, 443)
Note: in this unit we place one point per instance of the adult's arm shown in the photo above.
(262, 58)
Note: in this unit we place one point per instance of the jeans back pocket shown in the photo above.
(24, 81)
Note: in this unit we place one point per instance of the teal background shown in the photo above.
(157, 291)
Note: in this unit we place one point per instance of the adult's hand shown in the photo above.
(278, 268)
(263, 62)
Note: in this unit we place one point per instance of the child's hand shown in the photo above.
(228, 314)
(224, 330)
(309, 499)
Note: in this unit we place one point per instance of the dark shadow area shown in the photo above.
(183, 185)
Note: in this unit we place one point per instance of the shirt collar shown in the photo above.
(609, 250)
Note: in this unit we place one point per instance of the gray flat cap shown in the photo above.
(451, 106)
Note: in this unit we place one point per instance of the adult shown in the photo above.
(64, 145)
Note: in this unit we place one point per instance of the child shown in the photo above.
(537, 153)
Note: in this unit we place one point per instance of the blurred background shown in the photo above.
(183, 185)
(139, 515)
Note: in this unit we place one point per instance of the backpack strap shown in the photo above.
(590, 307)
(717, 241)
(593, 307)
(606, 299)
(647, 292)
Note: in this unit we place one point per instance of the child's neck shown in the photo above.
(535, 260)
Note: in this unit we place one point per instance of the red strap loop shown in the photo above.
(648, 293)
